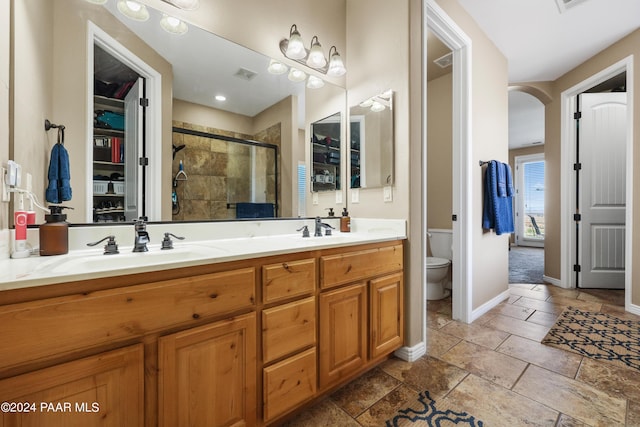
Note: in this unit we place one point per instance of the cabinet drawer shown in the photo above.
(288, 279)
(289, 383)
(352, 266)
(74, 322)
(288, 328)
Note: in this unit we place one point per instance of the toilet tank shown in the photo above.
(441, 242)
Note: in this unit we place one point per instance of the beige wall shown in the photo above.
(629, 45)
(4, 116)
(188, 112)
(439, 152)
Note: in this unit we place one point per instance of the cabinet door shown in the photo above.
(343, 332)
(102, 390)
(387, 323)
(208, 375)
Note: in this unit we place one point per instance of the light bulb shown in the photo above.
(316, 57)
(336, 67)
(173, 25)
(295, 47)
(133, 9)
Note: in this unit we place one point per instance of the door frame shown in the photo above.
(453, 37)
(568, 182)
(153, 119)
(518, 162)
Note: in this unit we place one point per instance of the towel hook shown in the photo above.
(48, 125)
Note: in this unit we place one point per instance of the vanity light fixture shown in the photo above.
(184, 4)
(296, 75)
(315, 82)
(293, 48)
(173, 25)
(221, 98)
(133, 9)
(277, 67)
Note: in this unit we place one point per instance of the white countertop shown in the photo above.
(204, 243)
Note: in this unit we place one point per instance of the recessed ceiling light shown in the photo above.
(221, 98)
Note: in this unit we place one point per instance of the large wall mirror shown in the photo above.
(371, 142)
(71, 50)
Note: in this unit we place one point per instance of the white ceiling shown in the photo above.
(542, 44)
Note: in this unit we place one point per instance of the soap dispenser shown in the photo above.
(345, 221)
(54, 233)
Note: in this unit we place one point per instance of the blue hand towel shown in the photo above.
(502, 180)
(59, 189)
(509, 180)
(497, 212)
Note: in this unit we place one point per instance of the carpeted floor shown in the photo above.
(526, 265)
(598, 336)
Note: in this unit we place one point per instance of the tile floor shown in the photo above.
(496, 370)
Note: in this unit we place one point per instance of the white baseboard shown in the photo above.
(553, 281)
(484, 308)
(411, 354)
(633, 309)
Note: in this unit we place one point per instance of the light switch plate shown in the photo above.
(315, 198)
(338, 197)
(387, 194)
(355, 195)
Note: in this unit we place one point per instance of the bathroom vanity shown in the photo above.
(240, 338)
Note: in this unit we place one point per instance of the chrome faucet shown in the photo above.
(142, 237)
(319, 226)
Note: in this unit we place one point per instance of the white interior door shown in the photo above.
(133, 119)
(602, 193)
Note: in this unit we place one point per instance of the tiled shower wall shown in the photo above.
(219, 172)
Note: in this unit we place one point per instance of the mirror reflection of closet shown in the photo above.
(371, 142)
(325, 154)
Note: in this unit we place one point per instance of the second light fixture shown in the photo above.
(293, 48)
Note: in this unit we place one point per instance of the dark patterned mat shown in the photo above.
(597, 335)
(429, 415)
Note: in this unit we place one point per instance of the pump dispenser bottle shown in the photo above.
(54, 233)
(345, 221)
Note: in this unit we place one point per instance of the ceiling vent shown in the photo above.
(245, 74)
(564, 5)
(445, 60)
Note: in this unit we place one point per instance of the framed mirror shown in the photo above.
(325, 153)
(54, 79)
(371, 141)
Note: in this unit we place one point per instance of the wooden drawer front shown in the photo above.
(349, 267)
(288, 328)
(387, 320)
(288, 383)
(207, 375)
(113, 381)
(70, 323)
(288, 279)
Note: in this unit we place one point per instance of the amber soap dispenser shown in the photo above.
(54, 233)
(345, 221)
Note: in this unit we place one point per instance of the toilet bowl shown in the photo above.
(438, 265)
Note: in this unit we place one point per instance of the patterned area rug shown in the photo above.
(597, 335)
(429, 416)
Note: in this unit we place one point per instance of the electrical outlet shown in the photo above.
(355, 195)
(6, 196)
(387, 194)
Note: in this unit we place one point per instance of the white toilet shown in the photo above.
(441, 244)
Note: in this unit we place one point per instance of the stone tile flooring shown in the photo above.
(496, 370)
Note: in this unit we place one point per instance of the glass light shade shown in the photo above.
(336, 67)
(296, 75)
(315, 82)
(295, 47)
(377, 107)
(366, 104)
(316, 57)
(96, 1)
(220, 98)
(184, 4)
(276, 67)
(133, 9)
(173, 25)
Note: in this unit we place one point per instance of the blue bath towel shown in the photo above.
(497, 212)
(59, 189)
(254, 210)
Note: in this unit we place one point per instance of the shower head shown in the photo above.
(177, 148)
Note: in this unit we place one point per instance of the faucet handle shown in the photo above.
(167, 243)
(305, 231)
(328, 229)
(110, 248)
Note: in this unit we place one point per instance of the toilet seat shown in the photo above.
(435, 262)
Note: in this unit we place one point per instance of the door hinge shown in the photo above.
(577, 115)
(577, 166)
(454, 217)
(144, 102)
(577, 217)
(576, 268)
(143, 161)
